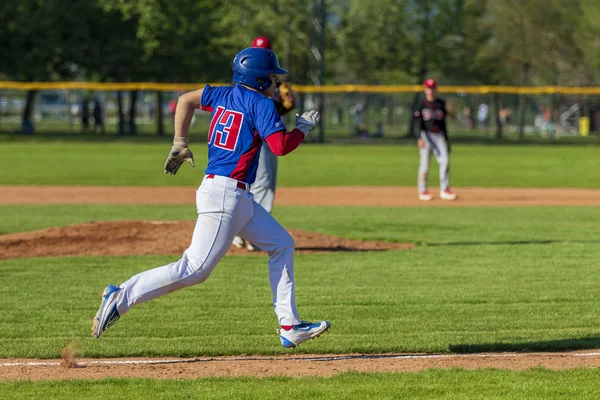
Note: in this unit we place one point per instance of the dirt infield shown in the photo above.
(298, 365)
(302, 196)
(123, 238)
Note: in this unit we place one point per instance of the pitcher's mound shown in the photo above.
(120, 238)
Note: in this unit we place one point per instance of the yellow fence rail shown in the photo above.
(305, 88)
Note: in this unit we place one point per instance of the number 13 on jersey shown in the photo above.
(225, 128)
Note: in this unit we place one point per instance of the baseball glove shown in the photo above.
(284, 98)
(177, 156)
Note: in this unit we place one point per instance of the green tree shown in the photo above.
(530, 41)
(372, 41)
(457, 65)
(114, 54)
(45, 40)
(178, 40)
(287, 23)
(403, 41)
(39, 41)
(588, 35)
(178, 37)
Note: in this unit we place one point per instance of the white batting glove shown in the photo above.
(307, 121)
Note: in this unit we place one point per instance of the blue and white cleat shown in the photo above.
(107, 314)
(302, 332)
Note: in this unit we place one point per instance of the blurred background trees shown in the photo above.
(378, 42)
(512, 42)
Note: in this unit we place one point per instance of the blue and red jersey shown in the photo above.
(241, 120)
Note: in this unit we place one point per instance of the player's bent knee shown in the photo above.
(284, 244)
(193, 278)
(288, 242)
(196, 271)
(201, 276)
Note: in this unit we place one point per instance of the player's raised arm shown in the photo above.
(282, 143)
(186, 106)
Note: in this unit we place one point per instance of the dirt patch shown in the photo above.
(302, 196)
(122, 238)
(67, 356)
(300, 365)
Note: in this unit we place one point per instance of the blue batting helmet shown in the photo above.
(252, 66)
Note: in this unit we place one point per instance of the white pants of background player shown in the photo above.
(263, 187)
(224, 210)
(434, 143)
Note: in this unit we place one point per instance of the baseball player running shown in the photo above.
(433, 138)
(263, 187)
(243, 116)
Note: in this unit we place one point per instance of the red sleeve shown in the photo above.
(282, 143)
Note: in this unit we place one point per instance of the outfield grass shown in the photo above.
(524, 279)
(536, 297)
(425, 226)
(130, 163)
(481, 279)
(432, 384)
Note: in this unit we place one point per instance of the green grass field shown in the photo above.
(525, 279)
(130, 163)
(425, 226)
(536, 297)
(535, 384)
(480, 279)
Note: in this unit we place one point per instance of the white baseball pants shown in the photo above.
(224, 211)
(434, 143)
(263, 188)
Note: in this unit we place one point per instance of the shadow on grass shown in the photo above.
(590, 342)
(511, 242)
(337, 249)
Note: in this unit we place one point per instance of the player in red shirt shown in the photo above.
(243, 116)
(433, 138)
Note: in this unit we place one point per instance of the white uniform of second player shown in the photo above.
(433, 138)
(263, 188)
(436, 144)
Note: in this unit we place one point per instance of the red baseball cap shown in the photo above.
(430, 83)
(262, 42)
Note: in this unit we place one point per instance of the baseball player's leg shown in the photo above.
(443, 158)
(272, 237)
(222, 212)
(263, 187)
(424, 161)
(239, 242)
(264, 231)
